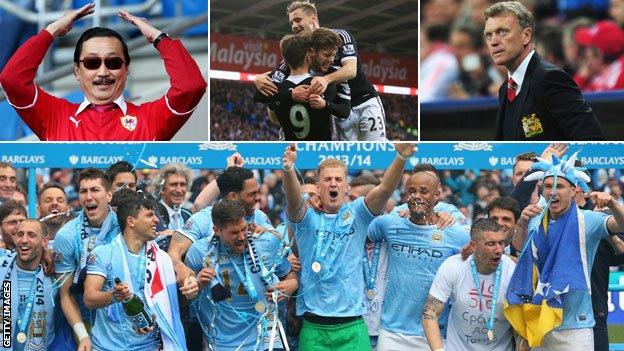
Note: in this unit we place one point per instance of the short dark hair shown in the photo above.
(120, 196)
(527, 156)
(233, 179)
(94, 173)
(294, 49)
(50, 185)
(120, 167)
(100, 32)
(364, 179)
(43, 229)
(226, 212)
(506, 203)
(483, 225)
(426, 167)
(10, 207)
(325, 39)
(132, 203)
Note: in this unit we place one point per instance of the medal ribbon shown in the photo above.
(24, 320)
(497, 278)
(323, 241)
(246, 278)
(370, 266)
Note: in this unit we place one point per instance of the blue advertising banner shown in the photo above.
(616, 300)
(269, 155)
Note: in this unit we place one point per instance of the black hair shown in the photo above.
(233, 179)
(226, 212)
(94, 173)
(100, 32)
(50, 185)
(120, 167)
(506, 203)
(132, 203)
(10, 207)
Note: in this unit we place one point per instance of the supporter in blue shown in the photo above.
(334, 320)
(31, 292)
(239, 275)
(573, 238)
(144, 271)
(96, 224)
(416, 248)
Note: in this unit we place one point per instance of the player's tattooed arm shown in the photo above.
(431, 312)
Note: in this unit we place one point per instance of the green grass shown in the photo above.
(616, 333)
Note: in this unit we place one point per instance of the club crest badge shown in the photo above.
(129, 122)
(532, 126)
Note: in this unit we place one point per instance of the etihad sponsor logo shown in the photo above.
(23, 159)
(415, 251)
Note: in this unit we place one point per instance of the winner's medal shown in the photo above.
(21, 337)
(316, 267)
(490, 335)
(260, 307)
(370, 294)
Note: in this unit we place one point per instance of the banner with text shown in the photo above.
(255, 55)
(269, 155)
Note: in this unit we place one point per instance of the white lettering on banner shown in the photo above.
(22, 159)
(194, 160)
(263, 161)
(443, 161)
(507, 161)
(345, 147)
(349, 160)
(386, 69)
(252, 54)
(603, 161)
(100, 160)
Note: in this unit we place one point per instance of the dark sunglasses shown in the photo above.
(93, 63)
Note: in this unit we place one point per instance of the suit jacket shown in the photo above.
(551, 108)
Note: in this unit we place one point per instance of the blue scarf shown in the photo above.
(550, 266)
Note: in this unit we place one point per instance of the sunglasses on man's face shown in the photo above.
(93, 63)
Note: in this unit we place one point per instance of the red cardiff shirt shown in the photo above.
(53, 118)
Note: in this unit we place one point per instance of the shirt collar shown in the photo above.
(120, 101)
(518, 74)
(170, 210)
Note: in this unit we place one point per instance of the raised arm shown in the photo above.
(295, 206)
(211, 191)
(379, 195)
(431, 313)
(615, 224)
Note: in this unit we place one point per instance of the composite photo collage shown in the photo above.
(313, 175)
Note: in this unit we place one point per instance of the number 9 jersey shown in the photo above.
(301, 121)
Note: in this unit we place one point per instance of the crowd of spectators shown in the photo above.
(235, 116)
(585, 38)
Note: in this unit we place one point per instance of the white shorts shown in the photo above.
(566, 340)
(391, 341)
(366, 122)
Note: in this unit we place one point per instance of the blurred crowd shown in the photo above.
(584, 37)
(235, 116)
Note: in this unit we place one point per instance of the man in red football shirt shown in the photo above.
(101, 66)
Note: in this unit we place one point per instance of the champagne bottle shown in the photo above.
(135, 310)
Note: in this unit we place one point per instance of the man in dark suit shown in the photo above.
(539, 101)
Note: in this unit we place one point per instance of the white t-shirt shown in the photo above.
(467, 326)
